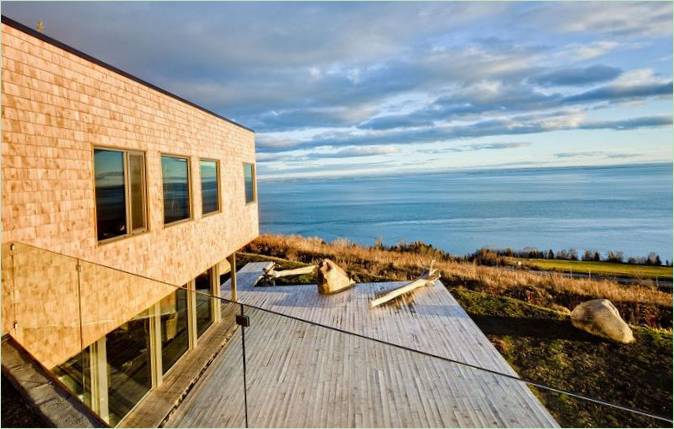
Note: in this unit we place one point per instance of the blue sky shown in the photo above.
(372, 88)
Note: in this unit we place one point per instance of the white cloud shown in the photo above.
(638, 77)
(621, 19)
(590, 50)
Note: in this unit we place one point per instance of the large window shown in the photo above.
(129, 371)
(75, 373)
(210, 191)
(174, 331)
(204, 303)
(120, 193)
(249, 181)
(176, 177)
(113, 374)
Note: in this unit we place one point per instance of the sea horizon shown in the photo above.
(622, 207)
(508, 167)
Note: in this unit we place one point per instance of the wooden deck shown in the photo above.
(157, 406)
(301, 375)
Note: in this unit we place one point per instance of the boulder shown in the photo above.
(332, 278)
(600, 317)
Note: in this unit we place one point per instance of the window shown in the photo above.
(176, 174)
(75, 373)
(249, 181)
(129, 371)
(121, 207)
(174, 331)
(204, 303)
(137, 190)
(210, 191)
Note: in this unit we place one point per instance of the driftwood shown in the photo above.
(332, 278)
(427, 279)
(273, 274)
(270, 275)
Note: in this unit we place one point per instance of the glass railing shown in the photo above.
(116, 340)
(121, 342)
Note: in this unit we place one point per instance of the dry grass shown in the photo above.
(552, 290)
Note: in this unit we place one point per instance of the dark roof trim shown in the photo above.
(17, 25)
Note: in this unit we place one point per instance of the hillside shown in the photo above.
(525, 315)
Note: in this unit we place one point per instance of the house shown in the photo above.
(122, 207)
(114, 192)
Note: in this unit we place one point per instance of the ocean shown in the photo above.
(625, 208)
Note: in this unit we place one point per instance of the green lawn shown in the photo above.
(601, 268)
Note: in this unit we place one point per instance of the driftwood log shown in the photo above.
(332, 278)
(271, 273)
(427, 279)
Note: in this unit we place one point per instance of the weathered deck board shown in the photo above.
(301, 375)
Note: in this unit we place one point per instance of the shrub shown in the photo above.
(615, 256)
(591, 255)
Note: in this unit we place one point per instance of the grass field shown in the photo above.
(542, 345)
(526, 316)
(600, 268)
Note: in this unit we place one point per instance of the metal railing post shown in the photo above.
(243, 321)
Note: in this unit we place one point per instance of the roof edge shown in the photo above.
(23, 28)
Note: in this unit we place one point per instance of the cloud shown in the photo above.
(588, 51)
(478, 146)
(614, 93)
(577, 76)
(356, 152)
(328, 152)
(629, 124)
(528, 124)
(310, 75)
(596, 154)
(620, 19)
(474, 100)
(323, 169)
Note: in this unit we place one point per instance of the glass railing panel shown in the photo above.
(110, 297)
(150, 334)
(8, 316)
(114, 338)
(41, 292)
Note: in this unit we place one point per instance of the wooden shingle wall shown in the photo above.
(56, 106)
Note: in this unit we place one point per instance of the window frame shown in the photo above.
(254, 174)
(190, 204)
(159, 372)
(127, 185)
(217, 187)
(127, 193)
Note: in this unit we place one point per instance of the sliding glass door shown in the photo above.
(204, 303)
